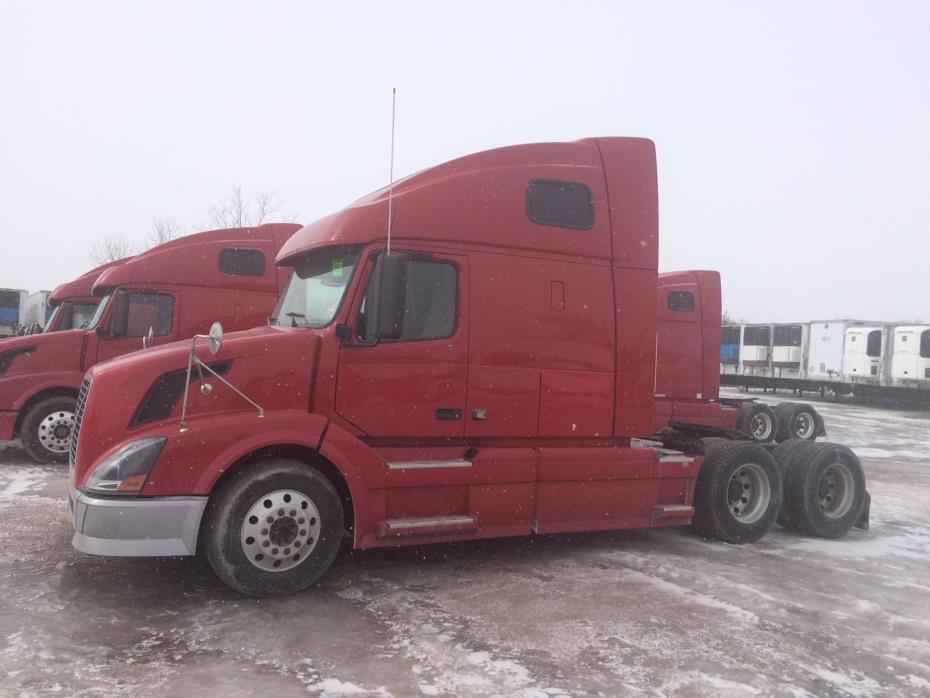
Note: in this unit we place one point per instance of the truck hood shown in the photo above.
(56, 351)
(143, 391)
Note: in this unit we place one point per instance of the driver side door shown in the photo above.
(414, 386)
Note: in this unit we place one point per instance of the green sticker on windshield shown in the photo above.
(337, 268)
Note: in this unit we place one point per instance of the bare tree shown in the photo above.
(241, 211)
(110, 249)
(163, 230)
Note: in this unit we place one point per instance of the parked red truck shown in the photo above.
(176, 289)
(491, 374)
(74, 303)
(687, 389)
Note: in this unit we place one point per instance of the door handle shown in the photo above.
(448, 413)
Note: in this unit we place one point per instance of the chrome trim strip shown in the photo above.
(419, 464)
(425, 523)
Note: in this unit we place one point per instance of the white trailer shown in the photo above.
(867, 354)
(825, 348)
(34, 310)
(910, 360)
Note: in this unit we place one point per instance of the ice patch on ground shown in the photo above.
(913, 545)
(15, 481)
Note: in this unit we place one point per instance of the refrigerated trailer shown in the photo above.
(910, 362)
(850, 357)
(486, 367)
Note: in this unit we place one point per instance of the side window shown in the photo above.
(560, 204)
(145, 310)
(242, 262)
(925, 344)
(682, 301)
(431, 301)
(874, 345)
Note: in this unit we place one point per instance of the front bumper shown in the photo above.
(152, 527)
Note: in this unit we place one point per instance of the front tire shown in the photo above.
(274, 528)
(738, 492)
(46, 429)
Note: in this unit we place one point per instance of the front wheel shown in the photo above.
(274, 528)
(46, 429)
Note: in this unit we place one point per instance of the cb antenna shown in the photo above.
(391, 180)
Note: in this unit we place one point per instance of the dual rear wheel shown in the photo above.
(742, 489)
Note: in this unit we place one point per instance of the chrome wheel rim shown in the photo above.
(280, 530)
(835, 490)
(761, 426)
(804, 425)
(54, 431)
(749, 493)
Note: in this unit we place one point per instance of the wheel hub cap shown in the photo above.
(804, 426)
(748, 493)
(761, 426)
(835, 490)
(280, 530)
(55, 431)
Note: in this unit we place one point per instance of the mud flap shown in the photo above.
(863, 521)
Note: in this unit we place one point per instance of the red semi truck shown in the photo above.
(74, 303)
(175, 290)
(488, 370)
(687, 386)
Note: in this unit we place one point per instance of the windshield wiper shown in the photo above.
(294, 316)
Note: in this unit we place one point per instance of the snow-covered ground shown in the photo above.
(651, 613)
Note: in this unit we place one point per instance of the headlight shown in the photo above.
(124, 472)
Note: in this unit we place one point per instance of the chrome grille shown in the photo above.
(78, 417)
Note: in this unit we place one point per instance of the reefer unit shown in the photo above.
(910, 361)
(789, 350)
(867, 354)
(756, 350)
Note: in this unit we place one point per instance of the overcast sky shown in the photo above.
(793, 137)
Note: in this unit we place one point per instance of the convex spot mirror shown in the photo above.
(215, 338)
(386, 302)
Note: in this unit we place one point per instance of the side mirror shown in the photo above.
(386, 303)
(67, 316)
(119, 320)
(215, 338)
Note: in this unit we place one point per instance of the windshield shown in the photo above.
(95, 318)
(51, 319)
(316, 288)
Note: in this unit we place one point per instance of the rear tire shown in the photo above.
(786, 454)
(738, 492)
(797, 420)
(274, 528)
(825, 490)
(46, 429)
(757, 421)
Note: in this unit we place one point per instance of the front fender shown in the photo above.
(192, 461)
(17, 389)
